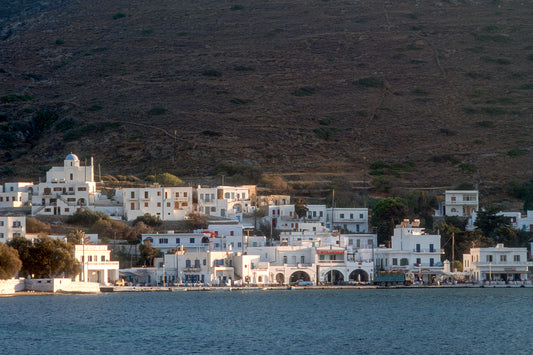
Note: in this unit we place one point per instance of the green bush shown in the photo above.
(304, 91)
(212, 73)
(516, 152)
(86, 218)
(467, 168)
(239, 101)
(486, 124)
(243, 68)
(149, 220)
(211, 133)
(369, 82)
(156, 111)
(118, 15)
(236, 7)
(14, 98)
(325, 132)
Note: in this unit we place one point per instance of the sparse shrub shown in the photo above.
(86, 218)
(530, 56)
(370, 82)
(325, 132)
(239, 101)
(304, 91)
(528, 86)
(419, 91)
(66, 124)
(156, 111)
(486, 124)
(467, 168)
(212, 73)
(33, 225)
(470, 110)
(382, 184)
(447, 132)
(236, 7)
(243, 68)
(14, 98)
(516, 152)
(147, 32)
(447, 158)
(149, 220)
(95, 108)
(324, 122)
(465, 186)
(59, 42)
(118, 15)
(493, 110)
(211, 133)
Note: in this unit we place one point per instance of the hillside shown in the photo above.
(418, 93)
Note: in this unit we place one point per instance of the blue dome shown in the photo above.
(72, 157)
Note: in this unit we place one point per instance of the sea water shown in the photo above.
(373, 321)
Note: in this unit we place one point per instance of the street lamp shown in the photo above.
(164, 275)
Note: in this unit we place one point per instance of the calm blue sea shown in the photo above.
(406, 321)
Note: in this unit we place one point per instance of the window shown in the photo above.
(187, 263)
(333, 257)
(184, 194)
(1, 223)
(213, 209)
(370, 243)
(163, 240)
(168, 204)
(177, 194)
(132, 207)
(231, 233)
(146, 204)
(260, 279)
(358, 243)
(159, 204)
(404, 261)
(132, 195)
(102, 258)
(361, 215)
(418, 261)
(191, 240)
(302, 259)
(342, 215)
(454, 198)
(71, 176)
(226, 195)
(350, 241)
(321, 257)
(394, 261)
(489, 258)
(90, 258)
(516, 258)
(431, 262)
(254, 244)
(418, 248)
(503, 258)
(82, 189)
(146, 194)
(351, 215)
(239, 244)
(177, 241)
(431, 248)
(158, 193)
(285, 259)
(321, 214)
(197, 263)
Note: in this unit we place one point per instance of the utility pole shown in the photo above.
(453, 252)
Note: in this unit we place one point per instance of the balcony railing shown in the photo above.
(192, 269)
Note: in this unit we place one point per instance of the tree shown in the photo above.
(489, 222)
(148, 253)
(76, 236)
(386, 214)
(46, 257)
(148, 219)
(10, 263)
(35, 226)
(196, 221)
(300, 207)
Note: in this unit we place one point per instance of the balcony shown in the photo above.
(191, 269)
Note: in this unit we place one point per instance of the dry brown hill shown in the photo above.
(424, 93)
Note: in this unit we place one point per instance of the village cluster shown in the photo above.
(326, 246)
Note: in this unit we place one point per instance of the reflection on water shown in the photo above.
(470, 321)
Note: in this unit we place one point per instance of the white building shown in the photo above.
(412, 251)
(67, 188)
(12, 226)
(96, 263)
(496, 264)
(461, 203)
(15, 194)
(167, 203)
(226, 201)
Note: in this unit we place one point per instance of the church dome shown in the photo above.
(72, 157)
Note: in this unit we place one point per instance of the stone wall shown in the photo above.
(61, 285)
(11, 286)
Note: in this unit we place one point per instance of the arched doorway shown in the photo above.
(205, 240)
(81, 202)
(359, 276)
(334, 275)
(299, 275)
(280, 278)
